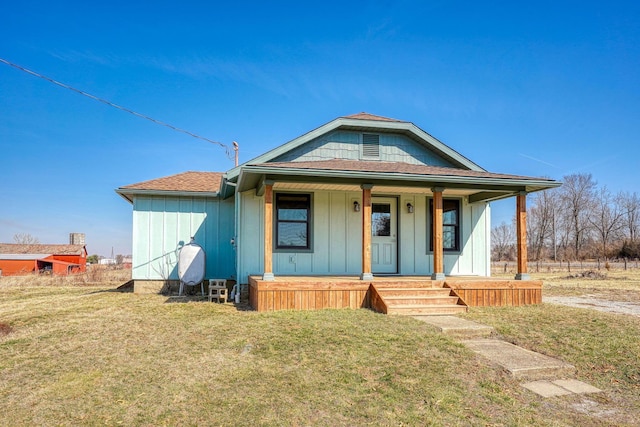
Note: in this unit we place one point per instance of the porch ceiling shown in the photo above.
(477, 189)
(387, 189)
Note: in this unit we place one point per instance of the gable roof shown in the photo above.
(186, 183)
(364, 122)
(40, 249)
(478, 183)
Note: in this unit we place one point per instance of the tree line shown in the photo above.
(574, 222)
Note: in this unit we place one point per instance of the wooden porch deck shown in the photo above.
(318, 292)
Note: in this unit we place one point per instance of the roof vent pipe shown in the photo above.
(236, 148)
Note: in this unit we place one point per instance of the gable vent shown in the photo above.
(370, 145)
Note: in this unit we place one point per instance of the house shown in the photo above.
(360, 201)
(29, 258)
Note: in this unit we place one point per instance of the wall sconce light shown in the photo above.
(356, 206)
(409, 208)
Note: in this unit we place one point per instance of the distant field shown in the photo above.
(500, 267)
(613, 284)
(83, 354)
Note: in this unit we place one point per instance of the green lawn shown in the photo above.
(87, 355)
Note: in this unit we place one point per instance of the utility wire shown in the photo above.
(111, 104)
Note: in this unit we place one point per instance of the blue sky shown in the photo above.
(541, 89)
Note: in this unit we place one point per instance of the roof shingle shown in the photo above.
(206, 182)
(368, 116)
(390, 167)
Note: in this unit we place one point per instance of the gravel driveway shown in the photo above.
(591, 301)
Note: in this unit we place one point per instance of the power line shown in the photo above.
(111, 104)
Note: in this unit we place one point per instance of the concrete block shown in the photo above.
(520, 362)
(457, 327)
(576, 386)
(546, 388)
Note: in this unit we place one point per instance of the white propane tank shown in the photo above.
(191, 265)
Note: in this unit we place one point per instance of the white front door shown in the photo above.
(384, 243)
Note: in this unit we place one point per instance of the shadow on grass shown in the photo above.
(126, 287)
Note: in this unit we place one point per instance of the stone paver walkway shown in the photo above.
(520, 362)
(540, 371)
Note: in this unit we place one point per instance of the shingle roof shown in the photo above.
(207, 182)
(391, 167)
(367, 116)
(15, 248)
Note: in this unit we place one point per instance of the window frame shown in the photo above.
(458, 227)
(277, 221)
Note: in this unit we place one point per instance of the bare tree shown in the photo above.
(630, 205)
(606, 218)
(502, 241)
(541, 222)
(577, 194)
(25, 239)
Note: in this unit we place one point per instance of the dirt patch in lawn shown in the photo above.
(5, 329)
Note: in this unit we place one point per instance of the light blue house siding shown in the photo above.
(347, 145)
(162, 224)
(337, 237)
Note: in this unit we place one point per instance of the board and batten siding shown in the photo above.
(337, 235)
(414, 256)
(161, 225)
(336, 238)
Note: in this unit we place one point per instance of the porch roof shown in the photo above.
(478, 185)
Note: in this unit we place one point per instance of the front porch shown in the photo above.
(405, 295)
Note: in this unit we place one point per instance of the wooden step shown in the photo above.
(416, 300)
(426, 310)
(421, 284)
(392, 292)
(420, 300)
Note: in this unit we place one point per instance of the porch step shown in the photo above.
(410, 284)
(413, 291)
(426, 310)
(402, 300)
(412, 300)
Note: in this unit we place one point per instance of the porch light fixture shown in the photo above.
(409, 208)
(356, 206)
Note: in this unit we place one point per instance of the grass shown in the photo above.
(78, 354)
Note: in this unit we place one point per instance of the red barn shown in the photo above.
(56, 259)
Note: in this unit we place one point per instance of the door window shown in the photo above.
(380, 219)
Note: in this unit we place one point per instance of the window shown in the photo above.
(293, 218)
(450, 224)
